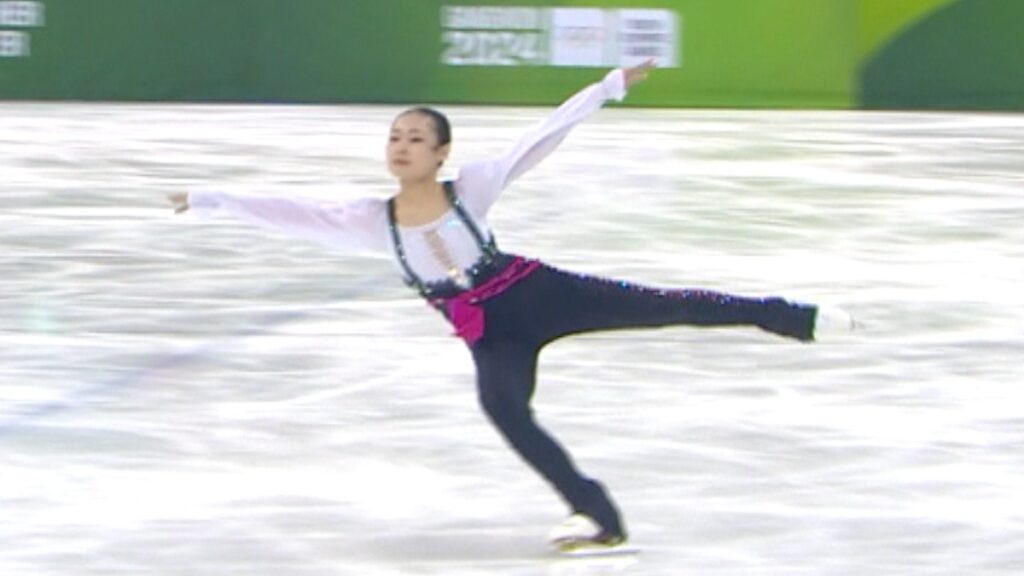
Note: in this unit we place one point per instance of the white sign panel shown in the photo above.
(535, 36)
(13, 44)
(15, 16)
(578, 36)
(647, 34)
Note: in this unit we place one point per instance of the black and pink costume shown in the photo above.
(505, 307)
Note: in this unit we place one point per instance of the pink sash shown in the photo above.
(463, 310)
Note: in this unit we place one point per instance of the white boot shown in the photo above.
(831, 323)
(575, 527)
(578, 532)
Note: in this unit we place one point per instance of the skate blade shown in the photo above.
(586, 547)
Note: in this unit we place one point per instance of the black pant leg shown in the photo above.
(506, 372)
(578, 303)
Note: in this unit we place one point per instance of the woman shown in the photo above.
(506, 308)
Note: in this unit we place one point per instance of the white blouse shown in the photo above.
(431, 249)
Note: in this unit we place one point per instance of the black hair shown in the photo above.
(442, 129)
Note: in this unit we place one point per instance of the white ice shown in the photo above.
(180, 397)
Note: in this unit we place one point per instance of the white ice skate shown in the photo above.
(579, 535)
(833, 323)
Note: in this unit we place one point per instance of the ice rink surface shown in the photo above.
(188, 397)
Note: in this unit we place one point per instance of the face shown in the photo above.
(412, 151)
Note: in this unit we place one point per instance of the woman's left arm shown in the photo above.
(481, 182)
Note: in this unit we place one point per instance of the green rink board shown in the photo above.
(389, 51)
(728, 53)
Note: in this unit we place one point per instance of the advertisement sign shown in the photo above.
(720, 53)
(540, 36)
(16, 17)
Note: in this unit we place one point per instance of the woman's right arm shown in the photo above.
(348, 225)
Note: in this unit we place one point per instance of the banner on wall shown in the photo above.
(578, 37)
(17, 18)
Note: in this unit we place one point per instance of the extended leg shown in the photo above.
(575, 303)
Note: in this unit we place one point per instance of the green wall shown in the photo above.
(962, 54)
(733, 53)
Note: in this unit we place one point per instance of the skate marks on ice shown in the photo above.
(286, 448)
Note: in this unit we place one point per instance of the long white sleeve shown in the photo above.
(358, 225)
(479, 183)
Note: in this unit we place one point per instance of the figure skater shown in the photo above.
(505, 307)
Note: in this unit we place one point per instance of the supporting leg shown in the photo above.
(506, 373)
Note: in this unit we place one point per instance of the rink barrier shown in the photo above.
(726, 53)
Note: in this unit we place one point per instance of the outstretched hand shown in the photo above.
(180, 201)
(637, 74)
